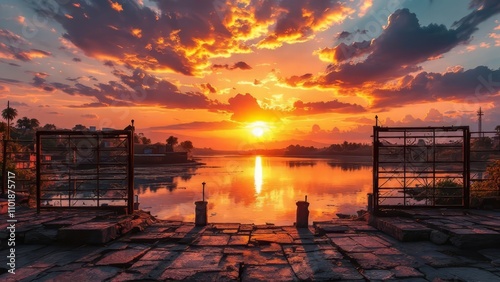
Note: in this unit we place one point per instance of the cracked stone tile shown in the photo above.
(268, 273)
(121, 257)
(238, 240)
(196, 260)
(213, 240)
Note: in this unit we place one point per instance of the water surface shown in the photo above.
(255, 189)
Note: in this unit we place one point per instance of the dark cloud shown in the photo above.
(18, 104)
(207, 87)
(53, 113)
(462, 86)
(239, 65)
(311, 108)
(403, 44)
(77, 60)
(14, 65)
(298, 20)
(345, 35)
(109, 63)
(344, 52)
(89, 116)
(9, 81)
(200, 126)
(13, 46)
(139, 88)
(139, 36)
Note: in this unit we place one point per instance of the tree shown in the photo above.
(9, 114)
(187, 145)
(27, 123)
(49, 126)
(171, 141)
(141, 139)
(79, 127)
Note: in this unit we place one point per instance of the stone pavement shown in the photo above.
(144, 249)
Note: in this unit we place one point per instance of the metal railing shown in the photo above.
(82, 169)
(421, 167)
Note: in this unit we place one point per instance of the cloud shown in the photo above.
(208, 88)
(54, 113)
(18, 104)
(425, 87)
(200, 126)
(90, 116)
(245, 108)
(298, 20)
(301, 108)
(239, 65)
(177, 36)
(77, 60)
(9, 80)
(399, 50)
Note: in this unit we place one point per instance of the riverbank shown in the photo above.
(144, 248)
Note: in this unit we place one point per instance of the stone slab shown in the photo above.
(121, 257)
(89, 232)
(402, 229)
(272, 238)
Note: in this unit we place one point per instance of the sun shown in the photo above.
(258, 128)
(258, 131)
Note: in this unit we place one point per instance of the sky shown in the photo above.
(248, 74)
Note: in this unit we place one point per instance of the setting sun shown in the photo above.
(258, 128)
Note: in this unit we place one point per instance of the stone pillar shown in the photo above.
(302, 214)
(201, 214)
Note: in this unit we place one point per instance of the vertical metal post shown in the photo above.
(38, 170)
(466, 167)
(98, 171)
(203, 191)
(130, 143)
(404, 168)
(375, 167)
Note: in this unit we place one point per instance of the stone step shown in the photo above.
(403, 229)
(88, 232)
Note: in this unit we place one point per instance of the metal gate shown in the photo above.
(84, 169)
(421, 166)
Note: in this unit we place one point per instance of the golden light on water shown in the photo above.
(258, 175)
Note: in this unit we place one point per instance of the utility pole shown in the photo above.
(480, 114)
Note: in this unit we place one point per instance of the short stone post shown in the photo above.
(201, 215)
(302, 214)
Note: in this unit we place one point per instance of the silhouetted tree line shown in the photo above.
(345, 148)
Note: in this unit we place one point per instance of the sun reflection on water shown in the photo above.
(258, 175)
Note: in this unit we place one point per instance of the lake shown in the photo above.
(256, 189)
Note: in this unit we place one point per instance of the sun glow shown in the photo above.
(258, 128)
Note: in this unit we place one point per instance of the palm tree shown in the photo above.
(9, 114)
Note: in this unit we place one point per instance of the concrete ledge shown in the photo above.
(403, 229)
(89, 232)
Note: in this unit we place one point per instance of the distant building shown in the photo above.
(92, 128)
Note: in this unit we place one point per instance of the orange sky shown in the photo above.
(310, 72)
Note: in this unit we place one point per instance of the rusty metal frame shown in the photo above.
(100, 161)
(414, 166)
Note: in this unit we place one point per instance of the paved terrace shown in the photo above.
(417, 245)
